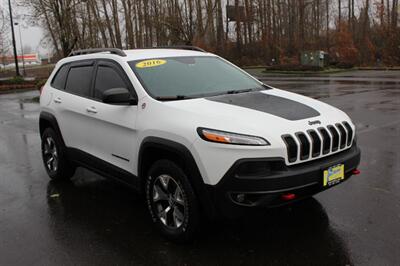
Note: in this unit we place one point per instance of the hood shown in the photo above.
(269, 103)
(260, 112)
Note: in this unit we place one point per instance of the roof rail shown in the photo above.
(98, 50)
(181, 47)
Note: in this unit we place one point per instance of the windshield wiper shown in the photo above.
(172, 98)
(184, 97)
(238, 91)
(264, 87)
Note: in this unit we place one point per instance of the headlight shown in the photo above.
(230, 138)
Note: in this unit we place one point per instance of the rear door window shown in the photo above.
(79, 80)
(107, 78)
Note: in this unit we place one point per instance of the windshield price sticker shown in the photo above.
(151, 63)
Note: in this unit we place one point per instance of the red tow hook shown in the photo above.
(356, 172)
(288, 196)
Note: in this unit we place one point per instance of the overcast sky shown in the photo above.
(30, 35)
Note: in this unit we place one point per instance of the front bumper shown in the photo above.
(236, 192)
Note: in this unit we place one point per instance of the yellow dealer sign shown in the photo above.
(151, 63)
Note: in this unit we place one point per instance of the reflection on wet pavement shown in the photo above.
(91, 220)
(263, 237)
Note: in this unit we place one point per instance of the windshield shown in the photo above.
(189, 77)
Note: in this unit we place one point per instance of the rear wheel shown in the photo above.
(171, 201)
(54, 157)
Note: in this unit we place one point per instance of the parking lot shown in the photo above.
(93, 221)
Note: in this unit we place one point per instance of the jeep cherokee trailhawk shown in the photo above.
(192, 132)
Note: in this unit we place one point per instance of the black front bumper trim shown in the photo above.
(303, 180)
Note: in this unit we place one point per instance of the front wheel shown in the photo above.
(171, 201)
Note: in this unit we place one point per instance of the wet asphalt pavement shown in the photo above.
(93, 221)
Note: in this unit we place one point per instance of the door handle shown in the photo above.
(91, 109)
(57, 100)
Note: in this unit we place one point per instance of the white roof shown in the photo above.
(156, 53)
(137, 54)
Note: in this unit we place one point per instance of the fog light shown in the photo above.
(240, 198)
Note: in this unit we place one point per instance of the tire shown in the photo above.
(54, 157)
(168, 188)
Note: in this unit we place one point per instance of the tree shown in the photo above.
(263, 29)
(4, 42)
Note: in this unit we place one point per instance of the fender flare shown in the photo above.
(48, 118)
(194, 176)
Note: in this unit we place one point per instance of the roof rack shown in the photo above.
(122, 53)
(181, 47)
(98, 50)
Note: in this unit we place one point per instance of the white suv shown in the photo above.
(192, 132)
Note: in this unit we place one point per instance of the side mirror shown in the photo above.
(119, 96)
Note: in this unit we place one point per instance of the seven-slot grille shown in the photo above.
(318, 142)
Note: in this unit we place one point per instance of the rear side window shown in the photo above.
(60, 77)
(79, 80)
(107, 78)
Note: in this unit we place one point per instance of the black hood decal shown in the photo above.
(266, 103)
